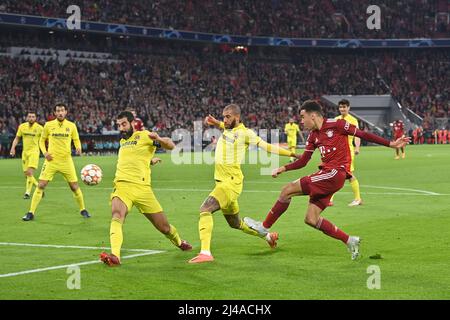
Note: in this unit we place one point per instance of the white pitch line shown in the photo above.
(71, 247)
(418, 192)
(72, 265)
(403, 189)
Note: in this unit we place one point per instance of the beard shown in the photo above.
(126, 134)
(231, 125)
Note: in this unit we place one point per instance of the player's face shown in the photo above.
(125, 128)
(344, 109)
(229, 119)
(307, 119)
(60, 113)
(31, 118)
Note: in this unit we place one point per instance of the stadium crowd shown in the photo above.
(302, 18)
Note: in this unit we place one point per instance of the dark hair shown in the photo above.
(312, 106)
(60, 104)
(126, 114)
(31, 111)
(235, 109)
(344, 102)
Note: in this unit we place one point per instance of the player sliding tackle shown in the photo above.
(132, 186)
(230, 151)
(330, 137)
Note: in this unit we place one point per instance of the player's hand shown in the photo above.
(12, 153)
(400, 142)
(154, 136)
(78, 152)
(48, 156)
(211, 121)
(278, 171)
(155, 161)
(297, 156)
(356, 151)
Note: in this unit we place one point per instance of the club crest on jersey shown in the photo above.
(137, 137)
(329, 133)
(67, 129)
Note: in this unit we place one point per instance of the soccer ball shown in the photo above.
(91, 174)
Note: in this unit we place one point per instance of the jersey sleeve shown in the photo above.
(297, 128)
(43, 138)
(76, 137)
(310, 144)
(151, 142)
(251, 138)
(19, 131)
(346, 128)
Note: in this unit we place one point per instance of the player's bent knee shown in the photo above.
(311, 221)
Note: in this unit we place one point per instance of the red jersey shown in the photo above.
(398, 127)
(138, 124)
(332, 142)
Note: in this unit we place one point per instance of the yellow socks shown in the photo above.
(78, 195)
(355, 188)
(37, 196)
(246, 229)
(205, 227)
(116, 236)
(173, 236)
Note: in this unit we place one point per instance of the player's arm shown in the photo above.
(211, 121)
(16, 140)
(163, 142)
(42, 146)
(271, 148)
(76, 140)
(349, 129)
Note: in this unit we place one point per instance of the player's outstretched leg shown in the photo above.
(159, 220)
(235, 222)
(280, 206)
(314, 220)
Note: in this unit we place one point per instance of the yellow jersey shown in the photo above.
(30, 136)
(230, 152)
(352, 120)
(60, 135)
(135, 154)
(291, 130)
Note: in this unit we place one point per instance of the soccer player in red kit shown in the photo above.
(330, 137)
(137, 122)
(399, 131)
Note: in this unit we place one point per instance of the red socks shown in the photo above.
(278, 209)
(331, 230)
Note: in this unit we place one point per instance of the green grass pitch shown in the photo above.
(405, 219)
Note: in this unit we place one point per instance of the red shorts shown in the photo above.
(320, 186)
(398, 135)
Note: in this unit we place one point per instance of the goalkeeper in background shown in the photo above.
(230, 151)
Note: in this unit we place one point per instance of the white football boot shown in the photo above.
(353, 246)
(256, 225)
(355, 203)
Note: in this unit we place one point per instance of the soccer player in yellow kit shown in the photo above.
(344, 109)
(132, 185)
(30, 133)
(291, 129)
(230, 151)
(60, 134)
